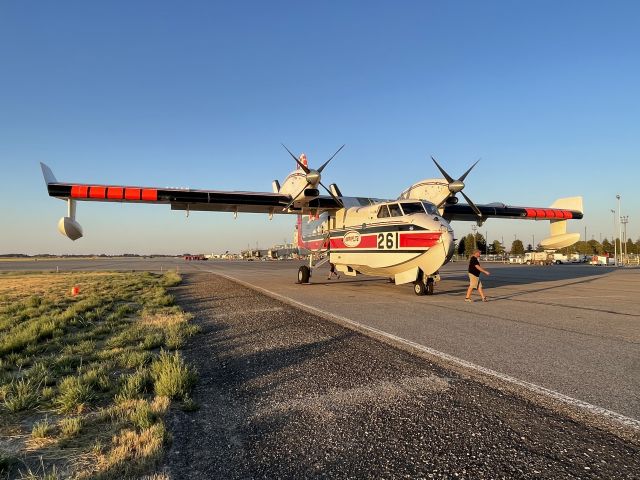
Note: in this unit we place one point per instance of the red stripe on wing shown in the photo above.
(149, 194)
(97, 191)
(79, 191)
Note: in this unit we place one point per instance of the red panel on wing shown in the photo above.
(531, 212)
(79, 191)
(132, 194)
(419, 239)
(149, 194)
(115, 193)
(96, 191)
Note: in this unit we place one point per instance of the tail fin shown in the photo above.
(569, 203)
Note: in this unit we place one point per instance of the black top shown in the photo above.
(473, 266)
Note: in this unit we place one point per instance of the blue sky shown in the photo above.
(201, 94)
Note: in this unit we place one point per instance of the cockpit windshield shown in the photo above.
(394, 209)
(411, 208)
(430, 208)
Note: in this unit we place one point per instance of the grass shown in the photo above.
(85, 381)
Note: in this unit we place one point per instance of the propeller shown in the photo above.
(456, 186)
(313, 177)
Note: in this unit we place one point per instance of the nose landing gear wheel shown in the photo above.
(419, 288)
(303, 274)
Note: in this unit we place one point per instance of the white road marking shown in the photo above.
(537, 389)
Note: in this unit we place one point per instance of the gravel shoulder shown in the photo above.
(286, 394)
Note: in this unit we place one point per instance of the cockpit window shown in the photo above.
(383, 212)
(411, 208)
(394, 209)
(430, 208)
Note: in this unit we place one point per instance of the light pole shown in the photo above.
(624, 220)
(615, 244)
(474, 228)
(533, 242)
(619, 226)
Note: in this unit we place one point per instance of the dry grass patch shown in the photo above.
(85, 380)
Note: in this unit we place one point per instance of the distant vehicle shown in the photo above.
(515, 259)
(194, 257)
(538, 258)
(601, 260)
(560, 258)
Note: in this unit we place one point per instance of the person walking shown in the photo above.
(474, 276)
(332, 271)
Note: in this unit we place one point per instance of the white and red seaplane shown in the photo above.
(407, 239)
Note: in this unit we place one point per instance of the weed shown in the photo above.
(21, 394)
(72, 394)
(171, 376)
(134, 359)
(70, 426)
(171, 279)
(152, 341)
(134, 385)
(41, 473)
(142, 415)
(41, 429)
(130, 448)
(189, 404)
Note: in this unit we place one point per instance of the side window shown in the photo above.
(394, 209)
(383, 212)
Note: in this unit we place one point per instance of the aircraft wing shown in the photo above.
(182, 199)
(464, 212)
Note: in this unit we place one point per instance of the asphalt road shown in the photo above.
(286, 394)
(574, 329)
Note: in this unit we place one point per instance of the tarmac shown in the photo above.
(569, 332)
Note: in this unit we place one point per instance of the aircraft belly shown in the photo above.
(363, 261)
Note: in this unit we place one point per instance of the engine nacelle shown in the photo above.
(68, 227)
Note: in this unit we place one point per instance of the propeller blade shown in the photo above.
(467, 172)
(333, 196)
(444, 174)
(293, 199)
(306, 169)
(327, 162)
(472, 205)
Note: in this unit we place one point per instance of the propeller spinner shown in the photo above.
(456, 186)
(313, 177)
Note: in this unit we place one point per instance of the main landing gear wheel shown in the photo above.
(419, 288)
(429, 286)
(303, 274)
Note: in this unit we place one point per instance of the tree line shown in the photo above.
(469, 243)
